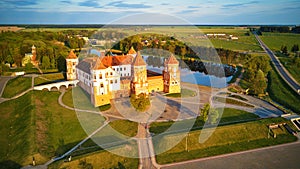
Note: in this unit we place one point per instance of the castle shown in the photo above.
(112, 77)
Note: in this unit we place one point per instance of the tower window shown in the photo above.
(101, 85)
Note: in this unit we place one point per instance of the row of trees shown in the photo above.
(294, 49)
(51, 47)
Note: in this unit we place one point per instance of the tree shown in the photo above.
(284, 50)
(46, 62)
(213, 116)
(205, 111)
(259, 84)
(295, 48)
(140, 102)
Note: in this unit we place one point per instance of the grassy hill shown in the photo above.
(35, 125)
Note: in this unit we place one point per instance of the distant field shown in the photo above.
(225, 139)
(36, 125)
(186, 34)
(275, 40)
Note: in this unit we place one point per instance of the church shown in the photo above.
(111, 77)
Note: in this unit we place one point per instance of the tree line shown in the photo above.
(51, 47)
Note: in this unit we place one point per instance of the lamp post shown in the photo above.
(186, 142)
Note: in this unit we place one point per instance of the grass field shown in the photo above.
(291, 67)
(36, 125)
(125, 127)
(229, 116)
(225, 139)
(81, 99)
(281, 93)
(16, 86)
(184, 93)
(99, 159)
(48, 78)
(231, 101)
(275, 40)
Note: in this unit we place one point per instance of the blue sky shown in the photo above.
(193, 11)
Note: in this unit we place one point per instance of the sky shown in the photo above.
(203, 12)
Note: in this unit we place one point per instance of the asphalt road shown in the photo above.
(281, 156)
(279, 67)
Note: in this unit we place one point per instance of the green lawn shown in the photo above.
(275, 40)
(281, 93)
(293, 69)
(225, 139)
(231, 101)
(184, 93)
(99, 159)
(16, 86)
(48, 78)
(81, 99)
(36, 125)
(125, 127)
(229, 116)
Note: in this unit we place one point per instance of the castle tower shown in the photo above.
(72, 62)
(139, 83)
(171, 75)
(33, 52)
(132, 51)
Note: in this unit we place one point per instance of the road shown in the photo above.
(280, 69)
(280, 156)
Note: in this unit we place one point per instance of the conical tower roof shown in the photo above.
(131, 51)
(138, 60)
(172, 60)
(72, 55)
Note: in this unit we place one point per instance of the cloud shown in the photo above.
(239, 4)
(121, 4)
(187, 11)
(20, 2)
(89, 3)
(164, 4)
(66, 2)
(192, 7)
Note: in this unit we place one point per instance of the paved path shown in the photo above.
(279, 67)
(280, 156)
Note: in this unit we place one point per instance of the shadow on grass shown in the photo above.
(9, 164)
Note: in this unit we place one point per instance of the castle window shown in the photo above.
(116, 81)
(111, 73)
(124, 68)
(111, 81)
(101, 85)
(117, 69)
(121, 74)
(120, 69)
(100, 76)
